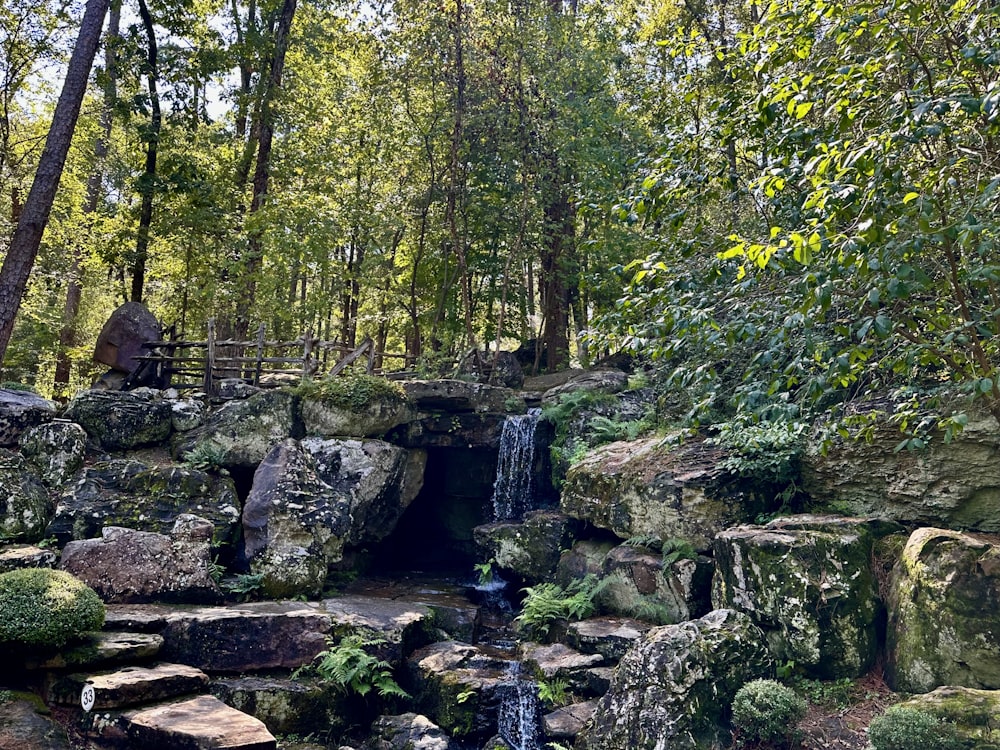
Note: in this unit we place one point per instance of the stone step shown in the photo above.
(101, 651)
(201, 723)
(129, 686)
(568, 721)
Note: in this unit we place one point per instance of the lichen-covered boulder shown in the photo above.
(25, 507)
(954, 484)
(360, 406)
(530, 549)
(186, 413)
(973, 713)
(673, 688)
(119, 420)
(55, 449)
(287, 707)
(407, 731)
(244, 431)
(641, 489)
(139, 566)
(604, 381)
(20, 410)
(129, 493)
(638, 584)
(454, 396)
(941, 629)
(808, 582)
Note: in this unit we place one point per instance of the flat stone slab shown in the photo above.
(23, 727)
(557, 659)
(102, 650)
(287, 707)
(202, 723)
(130, 686)
(19, 556)
(567, 722)
(610, 637)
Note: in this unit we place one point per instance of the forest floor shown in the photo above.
(840, 712)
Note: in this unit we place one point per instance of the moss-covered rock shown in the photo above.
(359, 406)
(674, 687)
(55, 450)
(638, 584)
(45, 608)
(20, 410)
(530, 549)
(25, 507)
(808, 582)
(973, 713)
(940, 630)
(120, 420)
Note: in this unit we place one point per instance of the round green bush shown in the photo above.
(766, 711)
(40, 607)
(904, 728)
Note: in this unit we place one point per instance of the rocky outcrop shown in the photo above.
(298, 707)
(245, 431)
(602, 381)
(972, 713)
(640, 489)
(638, 584)
(462, 396)
(406, 732)
(138, 566)
(808, 583)
(20, 410)
(674, 687)
(530, 549)
(25, 507)
(134, 495)
(940, 632)
(55, 450)
(382, 412)
(118, 420)
(952, 484)
(25, 723)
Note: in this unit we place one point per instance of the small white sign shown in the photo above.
(87, 697)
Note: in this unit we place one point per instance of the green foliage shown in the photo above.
(46, 608)
(674, 549)
(6, 696)
(244, 585)
(9, 385)
(547, 605)
(767, 452)
(207, 455)
(484, 571)
(766, 711)
(904, 728)
(607, 429)
(836, 694)
(354, 392)
(350, 667)
(555, 692)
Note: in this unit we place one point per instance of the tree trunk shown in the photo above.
(27, 237)
(147, 183)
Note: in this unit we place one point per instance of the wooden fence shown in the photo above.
(262, 362)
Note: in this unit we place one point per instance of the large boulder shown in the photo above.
(639, 584)
(808, 583)
(300, 706)
(408, 731)
(119, 421)
(953, 484)
(462, 396)
(673, 688)
(20, 410)
(139, 566)
(362, 406)
(600, 381)
(973, 713)
(941, 629)
(129, 493)
(55, 449)
(530, 549)
(25, 507)
(123, 335)
(244, 431)
(641, 489)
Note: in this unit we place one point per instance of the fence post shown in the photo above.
(210, 358)
(260, 355)
(306, 352)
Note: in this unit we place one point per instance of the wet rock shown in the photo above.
(530, 549)
(556, 660)
(20, 410)
(285, 706)
(55, 450)
(952, 484)
(674, 687)
(202, 722)
(244, 432)
(119, 421)
(138, 566)
(24, 724)
(940, 632)
(406, 732)
(641, 489)
(610, 637)
(567, 722)
(17, 556)
(131, 494)
(462, 396)
(25, 507)
(808, 583)
(603, 381)
(973, 713)
(452, 430)
(129, 686)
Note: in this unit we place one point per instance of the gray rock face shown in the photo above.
(119, 420)
(530, 549)
(808, 582)
(128, 493)
(942, 631)
(20, 410)
(674, 687)
(377, 417)
(286, 706)
(25, 508)
(462, 396)
(611, 637)
(138, 566)
(186, 413)
(954, 484)
(557, 660)
(55, 450)
(244, 431)
(17, 556)
(567, 722)
(406, 732)
(604, 381)
(637, 489)
(22, 727)
(458, 430)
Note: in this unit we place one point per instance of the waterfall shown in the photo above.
(518, 719)
(513, 488)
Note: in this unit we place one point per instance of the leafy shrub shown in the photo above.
(206, 456)
(766, 711)
(350, 667)
(555, 692)
(354, 392)
(548, 604)
(47, 608)
(904, 728)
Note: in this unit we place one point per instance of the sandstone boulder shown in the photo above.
(941, 629)
(119, 421)
(673, 689)
(55, 450)
(20, 410)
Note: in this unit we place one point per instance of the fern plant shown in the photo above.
(548, 604)
(352, 669)
(675, 548)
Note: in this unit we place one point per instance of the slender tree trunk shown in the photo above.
(74, 287)
(147, 183)
(27, 237)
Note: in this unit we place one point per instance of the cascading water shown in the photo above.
(518, 721)
(513, 490)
